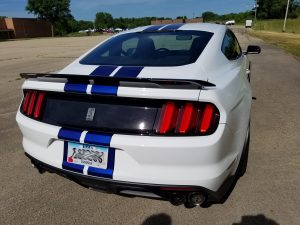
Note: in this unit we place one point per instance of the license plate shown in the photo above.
(87, 155)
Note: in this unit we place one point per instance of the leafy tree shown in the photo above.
(120, 23)
(210, 16)
(65, 26)
(84, 25)
(238, 17)
(57, 12)
(274, 9)
(104, 20)
(181, 17)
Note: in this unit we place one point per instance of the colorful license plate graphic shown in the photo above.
(87, 155)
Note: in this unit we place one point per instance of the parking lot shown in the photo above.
(268, 194)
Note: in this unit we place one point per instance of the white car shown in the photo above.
(161, 111)
(230, 22)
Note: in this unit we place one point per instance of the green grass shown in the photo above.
(288, 41)
(276, 25)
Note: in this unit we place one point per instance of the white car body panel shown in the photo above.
(204, 161)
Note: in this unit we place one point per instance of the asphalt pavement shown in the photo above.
(268, 194)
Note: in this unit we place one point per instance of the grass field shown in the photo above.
(288, 41)
(276, 25)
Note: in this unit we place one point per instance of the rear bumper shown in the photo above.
(144, 163)
(130, 189)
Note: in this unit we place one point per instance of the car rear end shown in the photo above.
(154, 145)
(138, 131)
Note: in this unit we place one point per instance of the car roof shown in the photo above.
(208, 27)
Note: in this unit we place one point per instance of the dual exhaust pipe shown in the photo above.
(190, 200)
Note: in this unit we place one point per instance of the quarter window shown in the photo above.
(231, 47)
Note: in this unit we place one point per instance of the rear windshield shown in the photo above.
(150, 49)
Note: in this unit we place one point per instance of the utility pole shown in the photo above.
(255, 12)
(286, 15)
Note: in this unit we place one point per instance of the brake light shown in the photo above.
(26, 102)
(187, 119)
(39, 104)
(207, 118)
(168, 118)
(33, 103)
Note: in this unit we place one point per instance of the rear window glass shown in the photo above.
(150, 49)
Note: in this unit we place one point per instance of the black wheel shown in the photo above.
(244, 158)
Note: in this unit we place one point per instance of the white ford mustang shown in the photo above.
(161, 111)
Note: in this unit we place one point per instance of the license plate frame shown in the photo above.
(87, 155)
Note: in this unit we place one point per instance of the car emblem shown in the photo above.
(90, 114)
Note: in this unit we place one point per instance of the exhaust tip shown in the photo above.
(196, 198)
(177, 199)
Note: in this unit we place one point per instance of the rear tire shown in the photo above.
(244, 158)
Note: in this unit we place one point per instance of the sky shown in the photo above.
(86, 9)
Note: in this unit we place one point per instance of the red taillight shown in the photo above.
(39, 104)
(187, 118)
(168, 117)
(26, 102)
(33, 103)
(207, 118)
(191, 119)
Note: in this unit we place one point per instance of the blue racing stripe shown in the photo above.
(108, 173)
(97, 139)
(104, 71)
(154, 28)
(104, 90)
(129, 71)
(77, 88)
(73, 167)
(173, 27)
(69, 135)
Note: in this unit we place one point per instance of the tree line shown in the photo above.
(105, 20)
(238, 17)
(275, 9)
(58, 13)
(267, 9)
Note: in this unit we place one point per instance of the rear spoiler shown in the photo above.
(124, 82)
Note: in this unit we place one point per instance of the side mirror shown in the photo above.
(253, 49)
